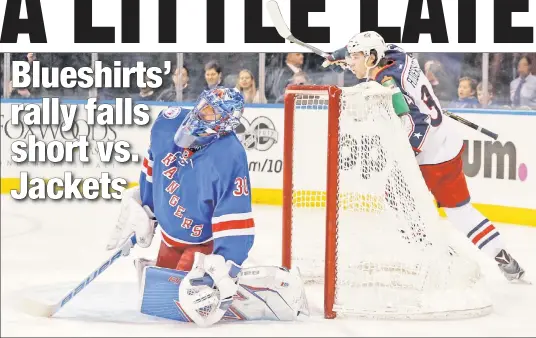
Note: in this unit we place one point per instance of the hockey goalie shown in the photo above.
(195, 188)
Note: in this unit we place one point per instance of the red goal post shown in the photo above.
(332, 151)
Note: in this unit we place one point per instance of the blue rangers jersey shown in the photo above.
(427, 129)
(198, 196)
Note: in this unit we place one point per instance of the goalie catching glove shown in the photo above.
(207, 291)
(133, 218)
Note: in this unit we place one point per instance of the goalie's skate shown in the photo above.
(510, 268)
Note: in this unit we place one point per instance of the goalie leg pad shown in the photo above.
(160, 295)
(281, 290)
(264, 293)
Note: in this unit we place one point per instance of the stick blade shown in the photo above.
(277, 18)
(35, 308)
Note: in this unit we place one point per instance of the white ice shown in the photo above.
(49, 247)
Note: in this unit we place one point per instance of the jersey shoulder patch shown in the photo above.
(171, 112)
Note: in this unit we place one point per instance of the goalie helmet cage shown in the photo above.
(357, 215)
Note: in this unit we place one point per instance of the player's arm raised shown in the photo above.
(336, 60)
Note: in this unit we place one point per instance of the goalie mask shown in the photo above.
(359, 50)
(217, 113)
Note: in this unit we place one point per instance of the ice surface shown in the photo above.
(49, 247)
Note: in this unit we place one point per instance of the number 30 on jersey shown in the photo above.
(241, 184)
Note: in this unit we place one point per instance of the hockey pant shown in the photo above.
(446, 181)
(181, 257)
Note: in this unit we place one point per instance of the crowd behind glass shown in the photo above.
(459, 79)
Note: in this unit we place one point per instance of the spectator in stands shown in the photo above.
(485, 102)
(145, 94)
(442, 77)
(500, 74)
(170, 94)
(247, 85)
(295, 62)
(523, 88)
(278, 78)
(300, 78)
(466, 94)
(19, 93)
(28, 92)
(31, 57)
(213, 75)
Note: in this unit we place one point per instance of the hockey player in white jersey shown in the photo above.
(438, 149)
(195, 187)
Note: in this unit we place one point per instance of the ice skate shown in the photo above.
(510, 267)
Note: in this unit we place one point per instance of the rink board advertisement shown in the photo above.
(500, 174)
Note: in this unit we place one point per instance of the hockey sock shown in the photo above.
(478, 229)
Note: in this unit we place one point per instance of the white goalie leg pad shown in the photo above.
(267, 292)
(273, 292)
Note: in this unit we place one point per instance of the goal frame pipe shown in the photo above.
(288, 154)
(330, 267)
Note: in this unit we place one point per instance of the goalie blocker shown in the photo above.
(263, 293)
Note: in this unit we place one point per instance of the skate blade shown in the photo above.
(521, 280)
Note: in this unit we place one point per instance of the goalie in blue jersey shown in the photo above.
(195, 188)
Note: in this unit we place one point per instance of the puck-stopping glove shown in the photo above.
(207, 291)
(133, 218)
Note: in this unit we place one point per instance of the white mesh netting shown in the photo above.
(395, 259)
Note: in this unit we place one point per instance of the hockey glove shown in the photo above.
(207, 291)
(337, 61)
(133, 218)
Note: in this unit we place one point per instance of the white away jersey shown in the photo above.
(430, 133)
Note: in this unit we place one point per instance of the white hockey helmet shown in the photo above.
(365, 42)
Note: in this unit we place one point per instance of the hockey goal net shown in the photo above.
(358, 217)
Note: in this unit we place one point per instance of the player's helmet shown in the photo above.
(203, 125)
(365, 43)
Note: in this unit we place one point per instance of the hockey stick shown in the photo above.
(471, 125)
(36, 308)
(284, 31)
